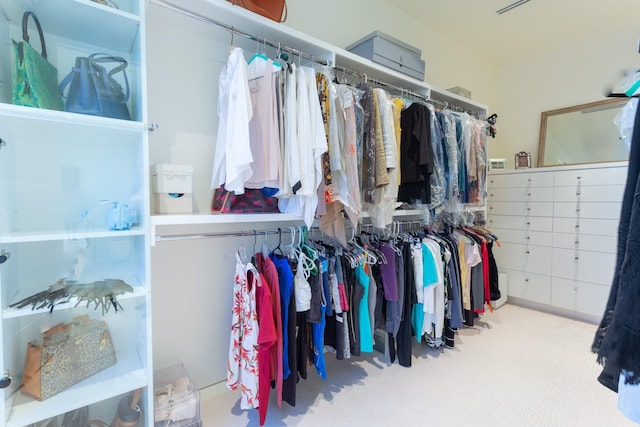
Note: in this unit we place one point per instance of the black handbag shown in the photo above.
(93, 89)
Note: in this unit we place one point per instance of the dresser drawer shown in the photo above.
(600, 193)
(579, 296)
(524, 237)
(525, 258)
(597, 227)
(585, 242)
(534, 223)
(521, 194)
(520, 179)
(584, 266)
(582, 210)
(521, 208)
(598, 176)
(532, 287)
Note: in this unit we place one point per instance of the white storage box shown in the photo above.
(173, 203)
(176, 400)
(390, 52)
(170, 178)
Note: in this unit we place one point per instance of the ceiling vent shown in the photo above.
(511, 6)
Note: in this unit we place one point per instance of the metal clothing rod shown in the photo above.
(233, 31)
(380, 82)
(436, 102)
(258, 233)
(161, 238)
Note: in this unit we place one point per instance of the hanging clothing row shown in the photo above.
(298, 304)
(323, 148)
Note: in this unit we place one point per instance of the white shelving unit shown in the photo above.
(56, 169)
(226, 15)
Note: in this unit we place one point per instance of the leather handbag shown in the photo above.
(252, 201)
(93, 90)
(276, 10)
(129, 412)
(68, 354)
(35, 79)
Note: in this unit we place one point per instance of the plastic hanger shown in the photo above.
(278, 249)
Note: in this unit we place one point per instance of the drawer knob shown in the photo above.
(526, 280)
(578, 193)
(492, 181)
(6, 380)
(528, 194)
(577, 226)
(528, 223)
(527, 252)
(579, 177)
(576, 258)
(575, 289)
(527, 237)
(491, 220)
(578, 210)
(491, 207)
(528, 209)
(491, 194)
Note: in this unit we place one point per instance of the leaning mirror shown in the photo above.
(585, 133)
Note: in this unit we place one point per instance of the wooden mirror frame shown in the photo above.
(546, 114)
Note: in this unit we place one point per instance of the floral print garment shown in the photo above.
(242, 368)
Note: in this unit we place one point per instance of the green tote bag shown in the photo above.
(35, 80)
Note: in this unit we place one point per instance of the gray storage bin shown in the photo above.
(390, 52)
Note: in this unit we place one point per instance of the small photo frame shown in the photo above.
(523, 160)
(497, 164)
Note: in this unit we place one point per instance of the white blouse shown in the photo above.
(232, 159)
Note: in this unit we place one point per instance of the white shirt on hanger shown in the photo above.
(263, 127)
(232, 159)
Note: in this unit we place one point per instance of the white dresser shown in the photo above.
(557, 229)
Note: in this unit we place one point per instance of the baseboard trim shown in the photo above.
(588, 318)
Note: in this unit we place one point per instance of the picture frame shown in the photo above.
(497, 164)
(522, 160)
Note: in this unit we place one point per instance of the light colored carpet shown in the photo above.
(516, 367)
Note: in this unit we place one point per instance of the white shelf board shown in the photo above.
(79, 121)
(65, 235)
(230, 15)
(354, 62)
(194, 219)
(75, 20)
(127, 374)
(10, 313)
(457, 100)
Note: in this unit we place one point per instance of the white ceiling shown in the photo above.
(534, 28)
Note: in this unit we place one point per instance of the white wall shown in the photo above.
(448, 64)
(566, 77)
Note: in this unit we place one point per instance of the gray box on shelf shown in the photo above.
(459, 90)
(390, 52)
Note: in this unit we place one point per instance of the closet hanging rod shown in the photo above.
(161, 238)
(233, 31)
(403, 91)
(380, 82)
(258, 233)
